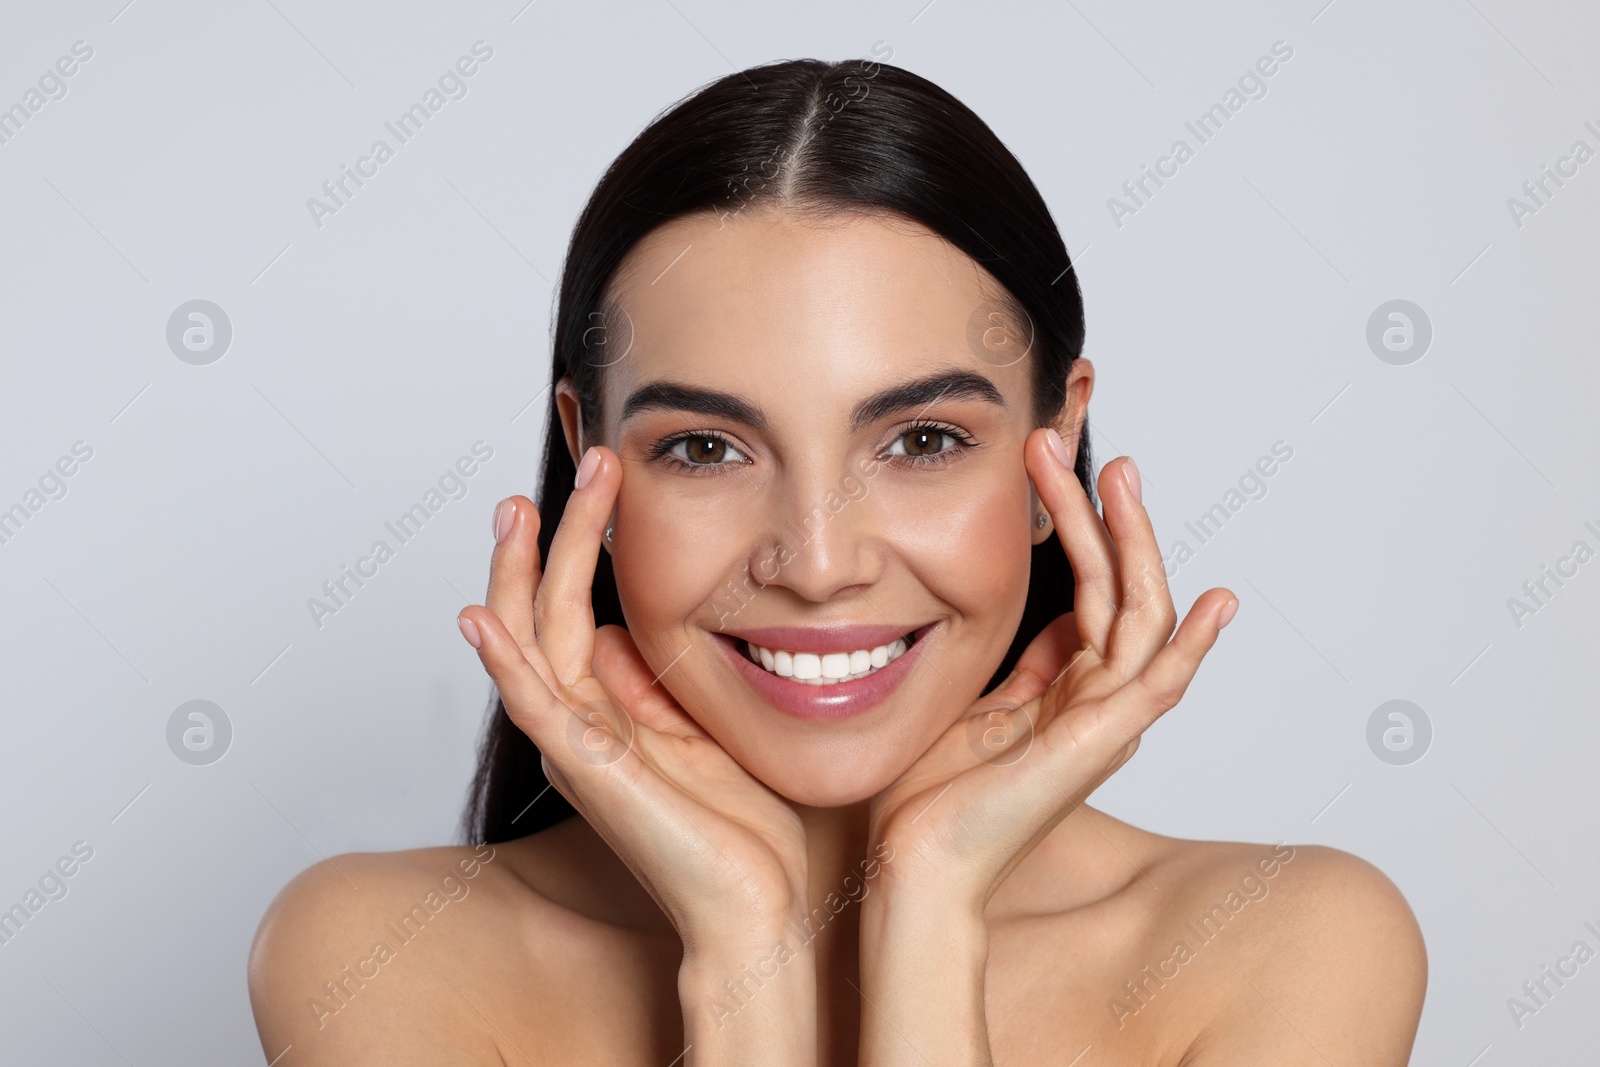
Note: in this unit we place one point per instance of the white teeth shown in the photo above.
(814, 669)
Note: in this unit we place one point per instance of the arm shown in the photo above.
(750, 1004)
(922, 984)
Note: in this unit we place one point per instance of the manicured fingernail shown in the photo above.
(1229, 610)
(502, 520)
(1057, 448)
(1131, 472)
(469, 630)
(591, 460)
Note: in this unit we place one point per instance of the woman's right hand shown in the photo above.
(722, 854)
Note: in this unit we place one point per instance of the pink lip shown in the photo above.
(837, 701)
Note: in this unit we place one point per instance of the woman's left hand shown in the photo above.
(962, 817)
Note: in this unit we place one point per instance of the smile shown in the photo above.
(828, 668)
(825, 672)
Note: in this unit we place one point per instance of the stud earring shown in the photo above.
(608, 535)
(1043, 520)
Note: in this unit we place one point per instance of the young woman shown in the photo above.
(808, 657)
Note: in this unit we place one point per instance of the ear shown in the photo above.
(572, 428)
(571, 421)
(1069, 424)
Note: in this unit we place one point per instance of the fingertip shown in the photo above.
(500, 523)
(470, 631)
(527, 511)
(1057, 448)
(586, 468)
(1229, 610)
(1130, 473)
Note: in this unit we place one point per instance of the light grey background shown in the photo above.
(368, 354)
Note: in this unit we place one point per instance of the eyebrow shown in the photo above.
(918, 393)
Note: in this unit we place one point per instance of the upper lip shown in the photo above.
(821, 639)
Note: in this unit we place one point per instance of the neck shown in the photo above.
(842, 868)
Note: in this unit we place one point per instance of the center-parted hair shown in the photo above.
(814, 138)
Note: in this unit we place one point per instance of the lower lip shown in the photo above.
(837, 701)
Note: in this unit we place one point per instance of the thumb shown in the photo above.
(622, 670)
(1047, 655)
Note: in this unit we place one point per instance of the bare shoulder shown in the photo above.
(1326, 958)
(534, 948)
(380, 953)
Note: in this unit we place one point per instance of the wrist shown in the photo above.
(926, 907)
(714, 944)
(706, 968)
(923, 970)
(891, 923)
(742, 1004)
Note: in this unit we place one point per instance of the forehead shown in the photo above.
(767, 301)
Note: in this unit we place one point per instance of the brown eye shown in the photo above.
(930, 444)
(705, 450)
(923, 442)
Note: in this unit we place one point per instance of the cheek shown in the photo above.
(971, 547)
(672, 554)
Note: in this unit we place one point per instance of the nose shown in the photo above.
(823, 536)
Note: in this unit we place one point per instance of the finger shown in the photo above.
(1146, 617)
(514, 569)
(563, 606)
(1157, 688)
(1050, 653)
(530, 703)
(1047, 656)
(1083, 536)
(623, 672)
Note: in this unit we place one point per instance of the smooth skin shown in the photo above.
(965, 906)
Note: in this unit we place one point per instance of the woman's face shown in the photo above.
(820, 425)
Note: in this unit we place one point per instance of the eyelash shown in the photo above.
(662, 450)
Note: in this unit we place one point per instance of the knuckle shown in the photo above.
(1163, 697)
(1166, 618)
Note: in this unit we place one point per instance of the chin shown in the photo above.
(827, 779)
